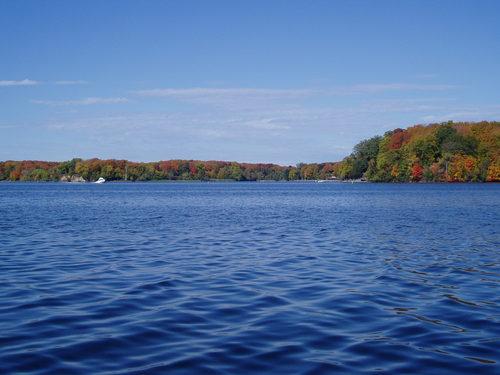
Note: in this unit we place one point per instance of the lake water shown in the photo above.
(249, 278)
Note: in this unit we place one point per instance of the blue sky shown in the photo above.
(256, 81)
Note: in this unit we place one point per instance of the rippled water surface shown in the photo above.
(249, 278)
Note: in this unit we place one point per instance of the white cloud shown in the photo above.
(266, 133)
(30, 82)
(426, 76)
(232, 99)
(69, 82)
(195, 125)
(84, 101)
(251, 98)
(204, 92)
(487, 113)
(23, 82)
(405, 105)
(266, 124)
(383, 87)
(229, 97)
(222, 92)
(7, 126)
(273, 119)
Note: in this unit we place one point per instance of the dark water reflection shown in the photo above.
(249, 278)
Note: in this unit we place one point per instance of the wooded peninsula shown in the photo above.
(445, 152)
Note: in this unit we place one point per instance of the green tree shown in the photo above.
(425, 149)
(236, 173)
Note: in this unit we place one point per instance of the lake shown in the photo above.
(146, 278)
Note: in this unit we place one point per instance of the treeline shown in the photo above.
(447, 152)
(114, 170)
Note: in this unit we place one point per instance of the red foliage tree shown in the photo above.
(398, 139)
(416, 172)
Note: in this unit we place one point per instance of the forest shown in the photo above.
(120, 170)
(446, 152)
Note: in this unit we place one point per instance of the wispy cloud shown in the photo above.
(278, 123)
(23, 82)
(406, 105)
(216, 95)
(383, 87)
(262, 112)
(426, 76)
(220, 124)
(84, 101)
(464, 113)
(30, 82)
(215, 125)
(241, 98)
(231, 98)
(307, 130)
(69, 82)
(204, 91)
(267, 124)
(199, 92)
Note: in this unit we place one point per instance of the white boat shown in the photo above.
(100, 181)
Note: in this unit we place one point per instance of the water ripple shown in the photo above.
(249, 278)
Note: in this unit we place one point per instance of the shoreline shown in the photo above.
(255, 181)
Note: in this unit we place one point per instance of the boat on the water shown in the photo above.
(100, 181)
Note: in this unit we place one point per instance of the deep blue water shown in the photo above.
(249, 278)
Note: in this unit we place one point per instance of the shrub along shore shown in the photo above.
(446, 152)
